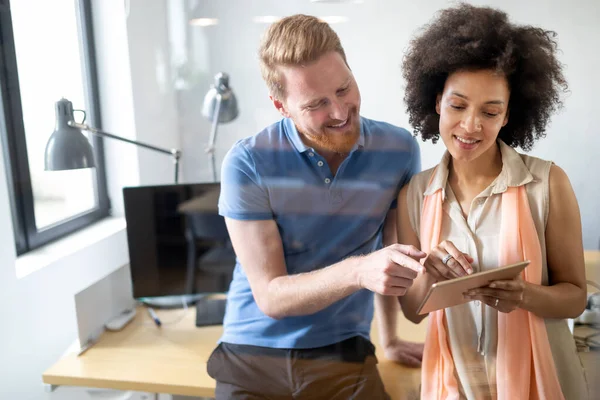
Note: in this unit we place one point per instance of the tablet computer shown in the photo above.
(450, 293)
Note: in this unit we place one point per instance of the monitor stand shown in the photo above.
(172, 301)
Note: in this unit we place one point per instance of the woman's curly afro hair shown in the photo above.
(473, 38)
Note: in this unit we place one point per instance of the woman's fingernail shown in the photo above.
(493, 285)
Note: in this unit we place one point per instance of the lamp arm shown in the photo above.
(110, 135)
(215, 117)
(213, 137)
(176, 154)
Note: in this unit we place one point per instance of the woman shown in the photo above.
(486, 86)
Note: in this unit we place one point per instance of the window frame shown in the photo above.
(27, 236)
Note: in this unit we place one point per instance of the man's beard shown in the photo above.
(341, 143)
(335, 141)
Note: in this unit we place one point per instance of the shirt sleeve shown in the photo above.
(415, 163)
(243, 193)
(413, 167)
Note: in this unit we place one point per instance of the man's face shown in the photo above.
(323, 100)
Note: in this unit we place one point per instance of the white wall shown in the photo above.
(375, 36)
(154, 101)
(116, 98)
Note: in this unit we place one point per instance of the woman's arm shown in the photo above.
(387, 309)
(566, 295)
(435, 269)
(412, 299)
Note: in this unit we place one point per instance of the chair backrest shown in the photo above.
(208, 226)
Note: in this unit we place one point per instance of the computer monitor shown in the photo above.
(179, 248)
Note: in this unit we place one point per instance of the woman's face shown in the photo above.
(473, 108)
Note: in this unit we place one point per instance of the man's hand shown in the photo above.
(406, 353)
(391, 270)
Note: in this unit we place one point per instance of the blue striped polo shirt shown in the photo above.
(322, 219)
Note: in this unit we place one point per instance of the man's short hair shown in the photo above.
(295, 40)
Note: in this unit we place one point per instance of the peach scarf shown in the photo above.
(524, 364)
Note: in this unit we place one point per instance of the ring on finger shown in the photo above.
(446, 258)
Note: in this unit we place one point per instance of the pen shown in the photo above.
(153, 316)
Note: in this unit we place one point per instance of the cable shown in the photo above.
(180, 316)
(172, 321)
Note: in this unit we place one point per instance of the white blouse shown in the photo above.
(472, 327)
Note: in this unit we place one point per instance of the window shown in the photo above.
(47, 53)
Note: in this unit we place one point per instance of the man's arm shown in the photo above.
(387, 307)
(260, 251)
(244, 202)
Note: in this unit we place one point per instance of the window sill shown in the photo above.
(71, 244)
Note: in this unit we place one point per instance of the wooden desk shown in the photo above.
(172, 359)
(401, 383)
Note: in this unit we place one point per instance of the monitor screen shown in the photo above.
(178, 243)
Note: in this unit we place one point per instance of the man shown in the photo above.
(309, 203)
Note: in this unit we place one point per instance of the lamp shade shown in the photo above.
(228, 109)
(68, 147)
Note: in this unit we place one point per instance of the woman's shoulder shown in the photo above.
(538, 167)
(420, 181)
(415, 193)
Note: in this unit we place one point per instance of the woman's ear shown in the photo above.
(505, 118)
(438, 100)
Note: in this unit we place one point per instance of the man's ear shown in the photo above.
(280, 106)
(438, 100)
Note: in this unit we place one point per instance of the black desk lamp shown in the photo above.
(68, 148)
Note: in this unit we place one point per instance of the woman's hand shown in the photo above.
(505, 296)
(445, 261)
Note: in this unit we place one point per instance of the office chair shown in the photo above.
(209, 250)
